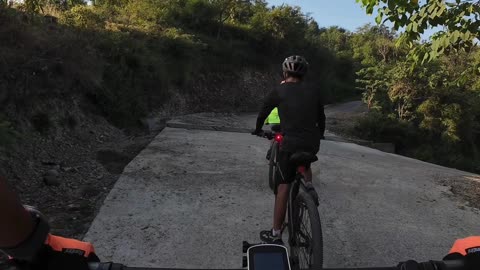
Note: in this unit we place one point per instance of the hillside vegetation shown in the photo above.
(128, 58)
(425, 95)
(124, 59)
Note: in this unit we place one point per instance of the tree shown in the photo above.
(36, 6)
(374, 83)
(82, 17)
(283, 22)
(33, 6)
(459, 19)
(313, 30)
(229, 9)
(373, 44)
(335, 38)
(385, 47)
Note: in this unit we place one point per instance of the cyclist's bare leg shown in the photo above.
(280, 206)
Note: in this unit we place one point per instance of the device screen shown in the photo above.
(269, 261)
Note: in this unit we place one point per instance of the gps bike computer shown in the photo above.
(268, 257)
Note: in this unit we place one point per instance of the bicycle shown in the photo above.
(438, 265)
(303, 220)
(447, 264)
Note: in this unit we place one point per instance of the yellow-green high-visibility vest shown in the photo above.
(273, 118)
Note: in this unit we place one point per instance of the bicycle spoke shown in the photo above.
(306, 261)
(304, 238)
(306, 226)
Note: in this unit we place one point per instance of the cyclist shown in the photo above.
(273, 119)
(303, 124)
(25, 237)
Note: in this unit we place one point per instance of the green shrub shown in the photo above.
(417, 142)
(83, 17)
(379, 127)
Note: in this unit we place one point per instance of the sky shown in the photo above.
(347, 14)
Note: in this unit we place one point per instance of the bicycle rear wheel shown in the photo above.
(272, 166)
(307, 243)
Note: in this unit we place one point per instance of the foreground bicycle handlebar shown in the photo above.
(433, 265)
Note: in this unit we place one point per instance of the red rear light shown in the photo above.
(279, 138)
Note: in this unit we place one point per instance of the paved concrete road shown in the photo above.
(192, 196)
(351, 107)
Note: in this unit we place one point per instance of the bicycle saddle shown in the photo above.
(303, 158)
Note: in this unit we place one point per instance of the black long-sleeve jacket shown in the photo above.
(302, 115)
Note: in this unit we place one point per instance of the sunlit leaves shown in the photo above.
(459, 20)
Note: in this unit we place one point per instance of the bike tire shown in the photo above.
(272, 167)
(304, 202)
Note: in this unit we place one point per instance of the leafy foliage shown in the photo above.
(434, 107)
(83, 17)
(440, 98)
(459, 19)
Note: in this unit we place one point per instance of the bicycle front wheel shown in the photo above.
(307, 247)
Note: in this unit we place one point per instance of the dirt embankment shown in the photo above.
(67, 176)
(66, 161)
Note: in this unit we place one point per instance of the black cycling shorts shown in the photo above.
(287, 169)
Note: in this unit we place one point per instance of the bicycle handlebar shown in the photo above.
(443, 265)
